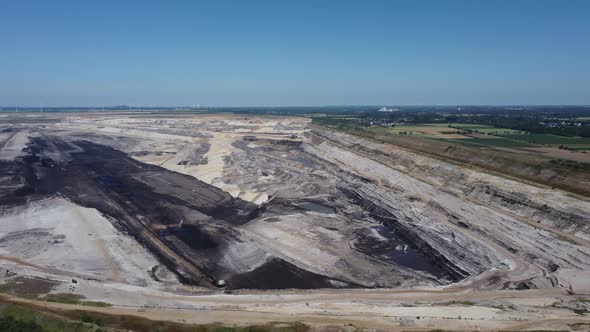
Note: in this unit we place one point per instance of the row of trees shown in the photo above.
(522, 121)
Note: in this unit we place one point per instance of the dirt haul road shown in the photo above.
(386, 310)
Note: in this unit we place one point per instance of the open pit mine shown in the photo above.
(249, 214)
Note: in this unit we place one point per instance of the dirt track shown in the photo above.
(386, 310)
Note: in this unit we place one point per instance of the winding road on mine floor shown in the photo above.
(366, 308)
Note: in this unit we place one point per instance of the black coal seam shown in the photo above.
(215, 212)
(164, 259)
(29, 192)
(27, 165)
(68, 179)
(305, 279)
(163, 211)
(104, 170)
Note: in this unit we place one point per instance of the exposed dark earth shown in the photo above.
(161, 208)
(243, 204)
(146, 198)
(225, 217)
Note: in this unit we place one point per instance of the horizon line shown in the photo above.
(139, 107)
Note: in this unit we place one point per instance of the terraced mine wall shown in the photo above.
(527, 167)
(546, 207)
(187, 224)
(372, 214)
(529, 235)
(442, 267)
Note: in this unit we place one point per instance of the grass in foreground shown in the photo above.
(34, 288)
(31, 318)
(29, 288)
(73, 299)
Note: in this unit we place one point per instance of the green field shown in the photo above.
(429, 130)
(20, 318)
(498, 142)
(425, 130)
(456, 134)
(550, 139)
(491, 142)
(486, 129)
(579, 147)
(471, 135)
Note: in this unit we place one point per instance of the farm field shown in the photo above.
(442, 132)
(427, 130)
(486, 129)
(491, 142)
(445, 130)
(551, 139)
(579, 147)
(483, 135)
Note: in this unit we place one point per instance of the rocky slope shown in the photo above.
(524, 232)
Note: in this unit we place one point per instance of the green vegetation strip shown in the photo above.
(34, 288)
(484, 129)
(491, 142)
(73, 299)
(547, 139)
(30, 318)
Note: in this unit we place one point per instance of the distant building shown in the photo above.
(389, 110)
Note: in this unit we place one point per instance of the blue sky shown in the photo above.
(263, 53)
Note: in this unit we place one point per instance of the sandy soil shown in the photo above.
(57, 235)
(562, 153)
(12, 145)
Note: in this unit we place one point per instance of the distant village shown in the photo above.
(562, 124)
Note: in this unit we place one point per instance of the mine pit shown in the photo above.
(269, 203)
(193, 236)
(383, 243)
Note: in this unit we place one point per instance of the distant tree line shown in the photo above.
(535, 121)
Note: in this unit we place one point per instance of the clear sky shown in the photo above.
(294, 52)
